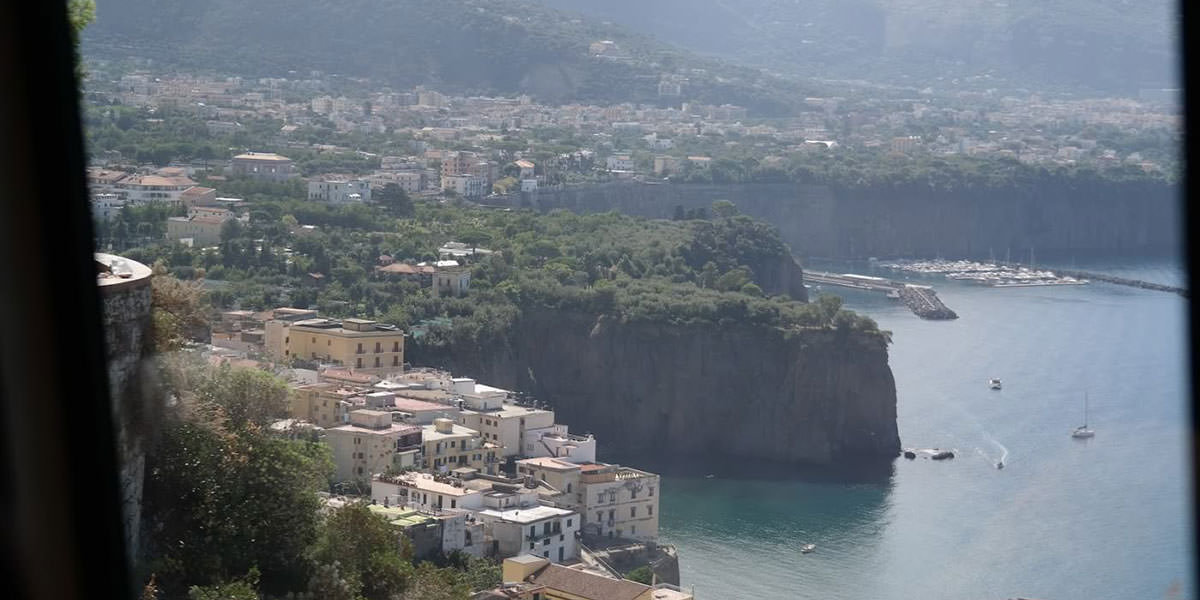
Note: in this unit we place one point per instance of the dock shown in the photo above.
(922, 300)
(1137, 283)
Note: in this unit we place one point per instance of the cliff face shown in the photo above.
(785, 278)
(1055, 216)
(733, 391)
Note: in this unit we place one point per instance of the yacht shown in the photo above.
(1083, 431)
(994, 383)
(805, 549)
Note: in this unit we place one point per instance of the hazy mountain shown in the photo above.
(1104, 45)
(473, 46)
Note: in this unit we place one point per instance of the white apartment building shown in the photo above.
(619, 501)
(539, 530)
(105, 206)
(153, 189)
(465, 186)
(557, 442)
(486, 410)
(613, 501)
(339, 191)
(411, 182)
(619, 162)
(425, 491)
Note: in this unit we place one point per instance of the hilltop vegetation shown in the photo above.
(1078, 45)
(714, 272)
(468, 46)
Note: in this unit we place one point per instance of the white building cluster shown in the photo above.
(497, 476)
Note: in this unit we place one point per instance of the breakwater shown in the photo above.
(1137, 283)
(924, 303)
(920, 299)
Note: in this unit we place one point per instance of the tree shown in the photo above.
(367, 549)
(218, 503)
(724, 209)
(80, 14)
(177, 310)
(245, 396)
(643, 574)
(397, 202)
(245, 588)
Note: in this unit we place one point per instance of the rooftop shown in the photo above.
(587, 585)
(427, 482)
(526, 515)
(261, 156)
(430, 433)
(547, 462)
(414, 405)
(393, 429)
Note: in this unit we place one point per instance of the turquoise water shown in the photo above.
(1066, 519)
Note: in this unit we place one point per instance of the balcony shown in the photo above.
(542, 536)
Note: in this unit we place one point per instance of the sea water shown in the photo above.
(1066, 519)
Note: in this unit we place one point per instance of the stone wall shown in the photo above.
(127, 337)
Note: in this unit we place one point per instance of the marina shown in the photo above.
(989, 274)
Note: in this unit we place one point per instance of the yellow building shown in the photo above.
(323, 404)
(356, 343)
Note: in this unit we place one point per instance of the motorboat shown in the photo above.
(807, 548)
(999, 464)
(994, 383)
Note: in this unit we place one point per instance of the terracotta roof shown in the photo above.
(398, 269)
(197, 191)
(587, 585)
(157, 180)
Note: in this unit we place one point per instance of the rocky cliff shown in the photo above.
(1057, 215)
(813, 397)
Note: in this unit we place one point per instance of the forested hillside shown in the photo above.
(1078, 45)
(468, 46)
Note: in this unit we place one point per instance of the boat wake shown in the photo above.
(1000, 447)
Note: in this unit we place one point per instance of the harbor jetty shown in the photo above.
(1137, 283)
(924, 303)
(1011, 274)
(922, 300)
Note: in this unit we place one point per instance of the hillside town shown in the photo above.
(427, 142)
(453, 464)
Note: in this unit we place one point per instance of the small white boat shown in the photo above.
(1083, 431)
(994, 383)
(805, 549)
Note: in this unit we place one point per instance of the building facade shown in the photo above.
(357, 343)
(339, 191)
(266, 166)
(370, 444)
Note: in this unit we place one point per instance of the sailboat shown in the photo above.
(1083, 431)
